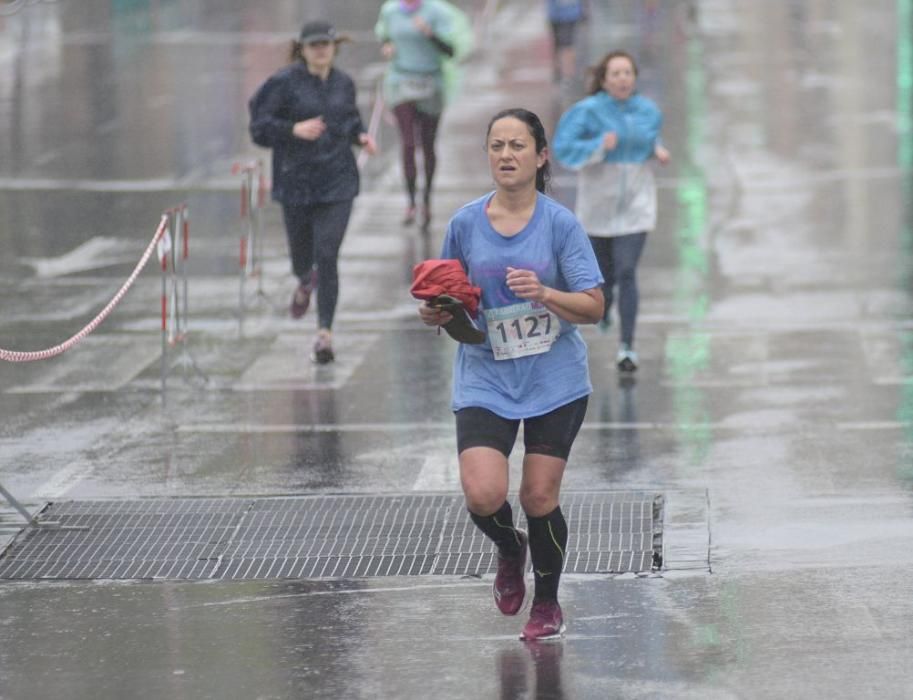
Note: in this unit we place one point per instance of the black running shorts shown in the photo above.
(550, 434)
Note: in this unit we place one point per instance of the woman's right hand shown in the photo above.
(309, 129)
(387, 49)
(610, 141)
(433, 316)
(419, 23)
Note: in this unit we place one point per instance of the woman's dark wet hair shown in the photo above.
(532, 121)
(295, 54)
(596, 74)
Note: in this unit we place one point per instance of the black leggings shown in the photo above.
(617, 257)
(315, 233)
(550, 434)
(410, 120)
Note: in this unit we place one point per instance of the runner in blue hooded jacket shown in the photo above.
(609, 139)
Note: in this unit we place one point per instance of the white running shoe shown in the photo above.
(626, 359)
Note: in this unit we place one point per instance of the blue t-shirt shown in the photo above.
(555, 246)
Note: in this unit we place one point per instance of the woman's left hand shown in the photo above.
(662, 154)
(433, 315)
(368, 143)
(525, 284)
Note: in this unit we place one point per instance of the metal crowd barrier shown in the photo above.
(250, 258)
(33, 356)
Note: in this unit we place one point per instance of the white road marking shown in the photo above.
(874, 425)
(62, 482)
(160, 184)
(282, 368)
(439, 473)
(97, 252)
(106, 363)
(280, 428)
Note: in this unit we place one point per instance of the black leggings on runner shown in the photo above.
(412, 123)
(617, 257)
(315, 233)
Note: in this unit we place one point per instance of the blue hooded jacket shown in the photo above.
(581, 129)
(616, 191)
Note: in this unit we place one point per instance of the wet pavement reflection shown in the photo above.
(773, 407)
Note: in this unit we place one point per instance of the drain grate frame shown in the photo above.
(314, 537)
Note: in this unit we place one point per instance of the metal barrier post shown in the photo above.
(184, 228)
(258, 221)
(253, 199)
(17, 505)
(173, 306)
(175, 253)
(245, 257)
(377, 112)
(32, 520)
(242, 265)
(163, 247)
(249, 215)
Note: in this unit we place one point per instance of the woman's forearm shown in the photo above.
(441, 45)
(575, 307)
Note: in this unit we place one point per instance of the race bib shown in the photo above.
(521, 329)
(415, 88)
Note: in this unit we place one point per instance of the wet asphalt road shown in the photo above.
(773, 406)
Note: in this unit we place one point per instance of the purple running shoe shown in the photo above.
(509, 588)
(545, 622)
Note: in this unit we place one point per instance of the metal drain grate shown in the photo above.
(314, 537)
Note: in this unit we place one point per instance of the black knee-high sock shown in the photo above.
(547, 545)
(410, 190)
(499, 526)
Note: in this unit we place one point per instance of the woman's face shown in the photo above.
(620, 79)
(319, 54)
(512, 154)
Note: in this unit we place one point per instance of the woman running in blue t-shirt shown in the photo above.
(539, 277)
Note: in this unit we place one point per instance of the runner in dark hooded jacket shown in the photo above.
(307, 114)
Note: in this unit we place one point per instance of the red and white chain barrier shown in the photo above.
(17, 356)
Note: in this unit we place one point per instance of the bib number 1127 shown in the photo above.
(531, 323)
(521, 329)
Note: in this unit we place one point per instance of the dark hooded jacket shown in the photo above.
(308, 172)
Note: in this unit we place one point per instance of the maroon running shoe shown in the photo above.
(301, 299)
(545, 622)
(510, 588)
